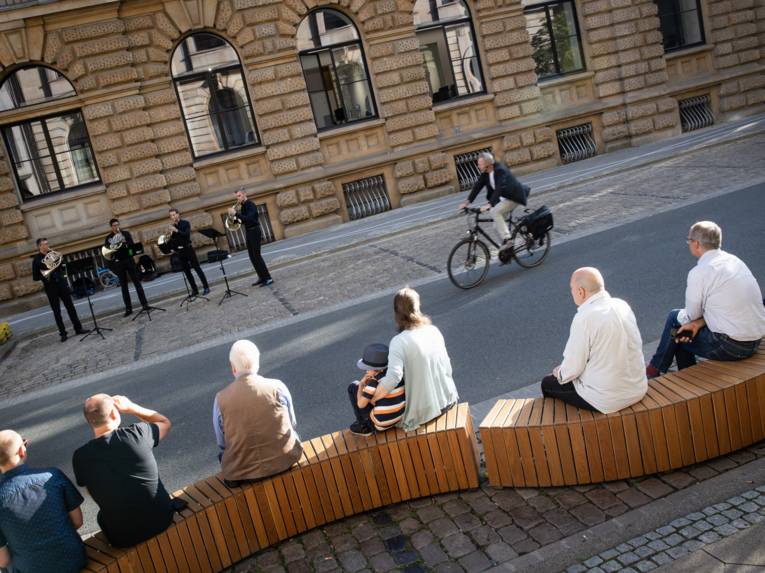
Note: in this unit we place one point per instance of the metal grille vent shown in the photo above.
(576, 143)
(467, 170)
(365, 197)
(237, 241)
(695, 113)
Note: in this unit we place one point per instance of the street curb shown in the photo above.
(568, 551)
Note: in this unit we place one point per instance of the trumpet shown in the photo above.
(52, 260)
(233, 222)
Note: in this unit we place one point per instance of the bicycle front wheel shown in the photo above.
(529, 251)
(468, 263)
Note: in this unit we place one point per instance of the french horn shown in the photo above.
(233, 223)
(52, 260)
(115, 244)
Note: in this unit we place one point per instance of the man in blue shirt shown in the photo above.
(39, 514)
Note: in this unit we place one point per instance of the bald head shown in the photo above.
(98, 409)
(586, 282)
(10, 444)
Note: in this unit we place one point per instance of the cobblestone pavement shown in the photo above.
(682, 536)
(489, 528)
(335, 277)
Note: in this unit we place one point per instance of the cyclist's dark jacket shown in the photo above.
(507, 186)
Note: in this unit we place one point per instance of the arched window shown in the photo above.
(335, 70)
(448, 47)
(50, 153)
(210, 84)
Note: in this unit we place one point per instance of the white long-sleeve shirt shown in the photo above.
(604, 354)
(722, 289)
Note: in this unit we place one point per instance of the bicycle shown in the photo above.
(469, 260)
(107, 278)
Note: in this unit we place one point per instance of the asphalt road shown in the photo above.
(400, 219)
(503, 335)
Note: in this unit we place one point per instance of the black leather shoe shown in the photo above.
(195, 293)
(82, 331)
(268, 282)
(257, 283)
(64, 337)
(146, 307)
(128, 311)
(205, 291)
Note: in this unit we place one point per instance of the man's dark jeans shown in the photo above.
(706, 344)
(567, 393)
(362, 414)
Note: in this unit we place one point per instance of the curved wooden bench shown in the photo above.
(338, 476)
(686, 417)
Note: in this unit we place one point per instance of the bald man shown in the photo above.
(602, 368)
(119, 470)
(39, 514)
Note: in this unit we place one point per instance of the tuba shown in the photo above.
(233, 223)
(115, 244)
(52, 260)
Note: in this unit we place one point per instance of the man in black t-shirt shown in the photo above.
(119, 470)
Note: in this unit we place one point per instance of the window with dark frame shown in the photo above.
(335, 70)
(447, 43)
(213, 95)
(555, 38)
(52, 153)
(681, 23)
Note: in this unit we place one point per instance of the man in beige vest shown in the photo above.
(254, 421)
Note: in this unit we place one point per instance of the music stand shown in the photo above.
(189, 297)
(85, 266)
(138, 250)
(214, 234)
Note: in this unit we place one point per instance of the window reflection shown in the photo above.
(213, 96)
(680, 23)
(334, 69)
(447, 43)
(554, 34)
(32, 85)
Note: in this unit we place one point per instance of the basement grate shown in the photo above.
(366, 197)
(237, 240)
(467, 170)
(695, 113)
(576, 143)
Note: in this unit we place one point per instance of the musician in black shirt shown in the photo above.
(123, 265)
(180, 241)
(57, 290)
(249, 216)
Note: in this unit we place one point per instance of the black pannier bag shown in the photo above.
(539, 222)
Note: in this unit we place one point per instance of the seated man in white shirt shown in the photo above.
(602, 368)
(723, 318)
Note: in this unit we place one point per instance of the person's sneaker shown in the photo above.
(651, 371)
(360, 429)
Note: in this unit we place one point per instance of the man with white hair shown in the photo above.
(602, 368)
(723, 318)
(119, 470)
(254, 421)
(39, 514)
(503, 192)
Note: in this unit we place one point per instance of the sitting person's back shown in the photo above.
(254, 421)
(602, 366)
(119, 470)
(39, 514)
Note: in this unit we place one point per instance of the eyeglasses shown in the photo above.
(24, 441)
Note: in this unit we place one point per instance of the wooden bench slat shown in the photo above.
(550, 442)
(698, 432)
(721, 422)
(563, 441)
(359, 496)
(383, 453)
(632, 443)
(526, 456)
(503, 453)
(682, 419)
(442, 438)
(538, 447)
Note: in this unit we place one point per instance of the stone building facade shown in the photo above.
(117, 57)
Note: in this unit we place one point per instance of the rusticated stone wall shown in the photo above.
(738, 40)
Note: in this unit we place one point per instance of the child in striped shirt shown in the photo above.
(386, 412)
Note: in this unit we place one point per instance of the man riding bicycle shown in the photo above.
(503, 191)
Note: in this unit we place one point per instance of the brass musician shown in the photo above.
(180, 242)
(248, 215)
(120, 244)
(47, 267)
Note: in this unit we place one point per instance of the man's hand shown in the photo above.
(485, 208)
(688, 331)
(556, 372)
(123, 404)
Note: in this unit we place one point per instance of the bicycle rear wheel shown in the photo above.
(468, 263)
(528, 251)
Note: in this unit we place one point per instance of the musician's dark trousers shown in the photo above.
(189, 261)
(58, 293)
(252, 235)
(123, 270)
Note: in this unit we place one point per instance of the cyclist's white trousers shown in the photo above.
(500, 211)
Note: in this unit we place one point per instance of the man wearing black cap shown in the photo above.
(383, 413)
